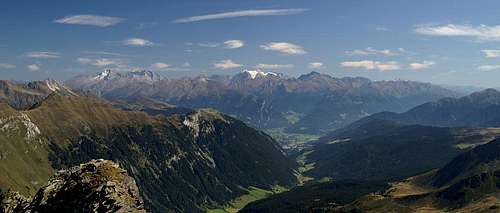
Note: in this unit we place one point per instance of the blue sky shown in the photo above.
(443, 42)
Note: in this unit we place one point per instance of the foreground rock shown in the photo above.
(96, 186)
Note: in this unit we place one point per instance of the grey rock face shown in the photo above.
(96, 186)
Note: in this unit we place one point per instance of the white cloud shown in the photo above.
(491, 53)
(102, 62)
(234, 44)
(186, 64)
(372, 51)
(284, 47)
(160, 66)
(7, 66)
(372, 65)
(43, 54)
(387, 66)
(316, 65)
(92, 20)
(366, 64)
(489, 67)
(480, 32)
(274, 66)
(421, 65)
(227, 64)
(241, 13)
(33, 67)
(138, 42)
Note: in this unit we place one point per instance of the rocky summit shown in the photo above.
(96, 186)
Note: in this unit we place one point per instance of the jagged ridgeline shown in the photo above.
(313, 103)
(181, 162)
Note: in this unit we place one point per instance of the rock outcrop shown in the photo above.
(96, 186)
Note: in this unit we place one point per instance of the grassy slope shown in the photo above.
(21, 157)
(62, 120)
(59, 117)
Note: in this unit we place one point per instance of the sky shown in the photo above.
(453, 42)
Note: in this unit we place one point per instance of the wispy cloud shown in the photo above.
(284, 47)
(92, 20)
(229, 44)
(33, 67)
(43, 54)
(227, 64)
(234, 44)
(480, 32)
(373, 51)
(421, 65)
(7, 66)
(160, 66)
(491, 53)
(274, 66)
(489, 67)
(316, 65)
(102, 62)
(138, 42)
(241, 13)
(372, 65)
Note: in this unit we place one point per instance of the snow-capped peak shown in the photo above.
(254, 73)
(103, 75)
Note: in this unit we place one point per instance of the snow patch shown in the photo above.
(254, 73)
(103, 75)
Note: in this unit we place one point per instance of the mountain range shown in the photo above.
(477, 109)
(434, 158)
(390, 145)
(185, 157)
(313, 103)
(187, 161)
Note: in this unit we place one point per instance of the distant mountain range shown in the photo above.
(442, 147)
(477, 109)
(391, 145)
(313, 103)
(184, 161)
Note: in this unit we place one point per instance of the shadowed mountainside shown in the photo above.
(182, 162)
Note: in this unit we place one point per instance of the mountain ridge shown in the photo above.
(181, 162)
(313, 103)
